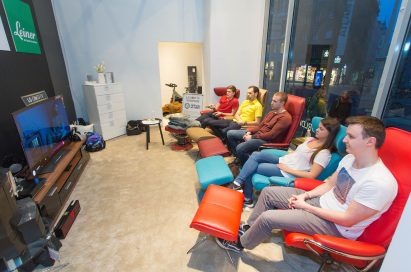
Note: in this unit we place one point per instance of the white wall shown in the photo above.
(233, 43)
(174, 59)
(397, 255)
(125, 35)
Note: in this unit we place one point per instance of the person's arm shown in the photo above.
(232, 113)
(312, 173)
(238, 118)
(256, 122)
(328, 184)
(278, 126)
(355, 213)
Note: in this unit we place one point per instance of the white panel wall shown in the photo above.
(233, 43)
(397, 255)
(125, 35)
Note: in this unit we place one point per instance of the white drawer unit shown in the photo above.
(106, 109)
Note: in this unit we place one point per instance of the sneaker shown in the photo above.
(233, 246)
(243, 228)
(236, 186)
(248, 203)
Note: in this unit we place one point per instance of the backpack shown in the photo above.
(94, 142)
(134, 127)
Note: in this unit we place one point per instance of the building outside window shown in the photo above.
(274, 47)
(337, 53)
(397, 110)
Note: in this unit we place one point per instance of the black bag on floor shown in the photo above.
(134, 127)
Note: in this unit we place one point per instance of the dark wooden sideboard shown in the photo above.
(60, 183)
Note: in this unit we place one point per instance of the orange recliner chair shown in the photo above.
(295, 106)
(372, 245)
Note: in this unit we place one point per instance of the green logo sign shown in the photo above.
(21, 26)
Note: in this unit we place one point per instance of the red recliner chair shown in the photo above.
(372, 245)
(295, 106)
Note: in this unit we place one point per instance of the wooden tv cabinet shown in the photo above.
(60, 183)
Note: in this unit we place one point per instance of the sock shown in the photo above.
(236, 183)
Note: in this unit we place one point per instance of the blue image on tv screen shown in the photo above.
(43, 128)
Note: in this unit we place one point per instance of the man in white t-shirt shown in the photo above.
(360, 190)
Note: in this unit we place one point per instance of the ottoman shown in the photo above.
(213, 170)
(219, 214)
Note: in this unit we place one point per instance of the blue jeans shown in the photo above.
(239, 148)
(261, 163)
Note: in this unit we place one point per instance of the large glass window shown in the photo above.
(275, 47)
(397, 110)
(337, 54)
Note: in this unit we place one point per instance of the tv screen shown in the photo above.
(43, 129)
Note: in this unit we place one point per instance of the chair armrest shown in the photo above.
(307, 184)
(281, 181)
(351, 247)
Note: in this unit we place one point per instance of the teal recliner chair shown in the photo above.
(260, 181)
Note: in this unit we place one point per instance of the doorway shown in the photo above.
(180, 64)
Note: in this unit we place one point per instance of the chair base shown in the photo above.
(199, 242)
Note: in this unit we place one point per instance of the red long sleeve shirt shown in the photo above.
(273, 127)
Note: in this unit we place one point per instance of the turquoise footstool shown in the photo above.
(213, 170)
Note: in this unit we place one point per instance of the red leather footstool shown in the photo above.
(212, 147)
(219, 214)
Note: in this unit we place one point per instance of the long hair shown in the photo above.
(332, 125)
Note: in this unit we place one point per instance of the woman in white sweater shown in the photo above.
(307, 161)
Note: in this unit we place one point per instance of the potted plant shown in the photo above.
(100, 68)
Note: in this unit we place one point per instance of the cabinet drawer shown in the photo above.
(115, 122)
(109, 98)
(117, 116)
(111, 106)
(67, 188)
(107, 89)
(110, 132)
(51, 204)
(67, 172)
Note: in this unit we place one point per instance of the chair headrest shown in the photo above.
(220, 91)
(262, 96)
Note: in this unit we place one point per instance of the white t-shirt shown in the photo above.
(300, 158)
(374, 187)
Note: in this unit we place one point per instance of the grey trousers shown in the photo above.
(272, 212)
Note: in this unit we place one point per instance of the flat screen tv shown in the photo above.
(43, 130)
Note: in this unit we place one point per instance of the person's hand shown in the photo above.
(240, 122)
(247, 137)
(218, 113)
(297, 202)
(211, 106)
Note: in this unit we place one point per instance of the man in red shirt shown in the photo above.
(227, 106)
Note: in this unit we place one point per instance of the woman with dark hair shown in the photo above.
(307, 161)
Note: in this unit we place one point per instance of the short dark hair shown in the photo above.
(282, 95)
(232, 88)
(255, 89)
(371, 127)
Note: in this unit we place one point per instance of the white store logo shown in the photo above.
(24, 35)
